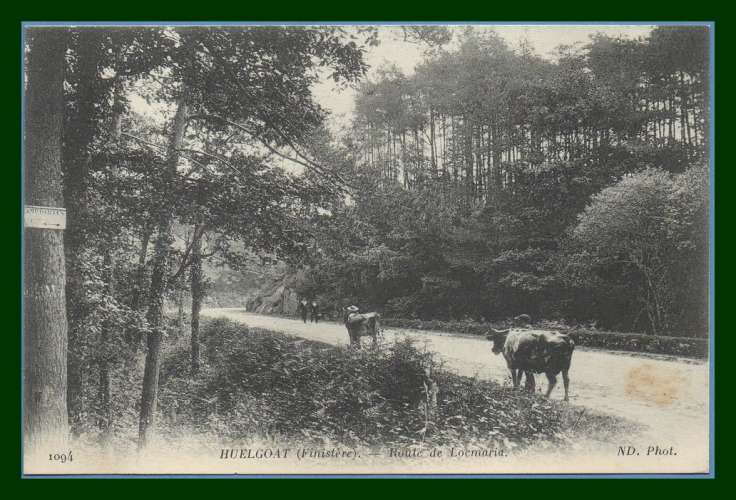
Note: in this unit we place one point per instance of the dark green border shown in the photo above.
(15, 12)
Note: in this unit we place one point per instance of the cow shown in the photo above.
(535, 351)
(361, 325)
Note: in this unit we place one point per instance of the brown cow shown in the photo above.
(361, 325)
(534, 351)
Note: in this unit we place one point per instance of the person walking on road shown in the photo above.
(314, 309)
(303, 309)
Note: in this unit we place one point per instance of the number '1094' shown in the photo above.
(60, 457)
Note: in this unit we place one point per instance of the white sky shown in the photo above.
(406, 55)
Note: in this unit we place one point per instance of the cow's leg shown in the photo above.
(566, 382)
(530, 384)
(551, 377)
(515, 377)
(513, 372)
(375, 339)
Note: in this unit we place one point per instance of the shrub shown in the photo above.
(634, 342)
(259, 383)
(638, 342)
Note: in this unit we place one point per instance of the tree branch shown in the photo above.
(160, 148)
(185, 261)
(143, 141)
(303, 160)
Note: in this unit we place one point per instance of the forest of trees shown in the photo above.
(488, 183)
(147, 202)
(475, 172)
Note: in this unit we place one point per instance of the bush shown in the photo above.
(634, 342)
(258, 383)
(639, 342)
(469, 327)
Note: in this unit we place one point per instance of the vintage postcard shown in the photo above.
(367, 249)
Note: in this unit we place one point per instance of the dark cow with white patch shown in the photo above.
(361, 325)
(535, 351)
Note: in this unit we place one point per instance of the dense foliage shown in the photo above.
(493, 182)
(150, 196)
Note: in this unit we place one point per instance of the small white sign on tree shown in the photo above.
(44, 217)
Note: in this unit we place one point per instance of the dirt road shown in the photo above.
(667, 395)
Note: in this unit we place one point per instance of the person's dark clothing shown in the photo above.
(314, 310)
(303, 310)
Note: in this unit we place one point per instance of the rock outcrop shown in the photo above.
(280, 297)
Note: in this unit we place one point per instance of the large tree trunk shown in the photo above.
(180, 285)
(118, 109)
(78, 136)
(432, 145)
(180, 304)
(159, 281)
(103, 389)
(197, 294)
(45, 419)
(468, 151)
(140, 273)
(497, 173)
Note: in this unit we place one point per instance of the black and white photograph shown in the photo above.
(367, 249)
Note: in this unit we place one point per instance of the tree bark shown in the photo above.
(104, 389)
(45, 419)
(118, 109)
(77, 139)
(180, 304)
(197, 287)
(141, 269)
(159, 281)
(468, 150)
(432, 139)
(683, 110)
